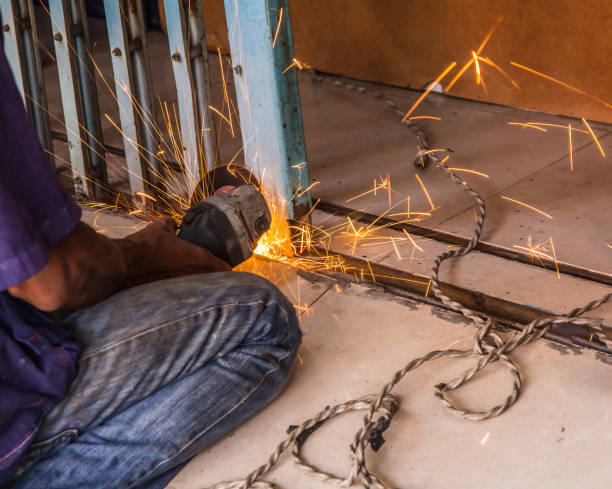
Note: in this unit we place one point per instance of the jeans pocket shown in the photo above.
(42, 449)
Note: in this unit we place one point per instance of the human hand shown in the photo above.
(156, 253)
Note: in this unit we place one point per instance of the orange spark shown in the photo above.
(552, 247)
(337, 288)
(470, 171)
(278, 26)
(414, 117)
(594, 137)
(220, 114)
(465, 67)
(485, 438)
(308, 188)
(300, 65)
(146, 196)
(494, 65)
(426, 92)
(412, 241)
(527, 124)
(476, 68)
(571, 152)
(425, 191)
(527, 205)
(563, 84)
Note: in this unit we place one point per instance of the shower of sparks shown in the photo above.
(571, 151)
(485, 438)
(528, 206)
(563, 84)
(426, 92)
(594, 137)
(278, 26)
(552, 248)
(466, 170)
(425, 192)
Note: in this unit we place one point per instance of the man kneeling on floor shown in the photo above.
(154, 350)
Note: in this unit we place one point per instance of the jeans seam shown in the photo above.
(160, 326)
(208, 428)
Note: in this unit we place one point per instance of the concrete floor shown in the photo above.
(559, 433)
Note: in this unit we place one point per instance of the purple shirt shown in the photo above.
(37, 357)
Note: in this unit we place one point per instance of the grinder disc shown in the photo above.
(221, 176)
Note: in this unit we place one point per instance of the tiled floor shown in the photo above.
(559, 434)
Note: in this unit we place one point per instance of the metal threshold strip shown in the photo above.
(454, 239)
(510, 314)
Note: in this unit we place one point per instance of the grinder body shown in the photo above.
(228, 225)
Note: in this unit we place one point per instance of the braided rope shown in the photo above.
(489, 346)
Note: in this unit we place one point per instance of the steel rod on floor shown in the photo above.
(512, 313)
(455, 239)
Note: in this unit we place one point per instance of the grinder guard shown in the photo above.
(228, 225)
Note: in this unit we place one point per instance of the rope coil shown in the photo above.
(489, 346)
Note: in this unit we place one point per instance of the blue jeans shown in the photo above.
(166, 369)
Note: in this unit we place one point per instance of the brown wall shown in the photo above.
(409, 42)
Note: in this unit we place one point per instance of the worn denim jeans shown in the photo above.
(166, 369)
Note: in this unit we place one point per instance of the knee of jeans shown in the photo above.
(280, 313)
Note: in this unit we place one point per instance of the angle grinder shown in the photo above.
(229, 225)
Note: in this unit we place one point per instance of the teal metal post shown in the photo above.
(21, 48)
(268, 99)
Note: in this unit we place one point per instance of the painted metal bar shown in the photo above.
(132, 87)
(21, 46)
(12, 43)
(186, 95)
(79, 97)
(201, 79)
(143, 80)
(268, 99)
(89, 94)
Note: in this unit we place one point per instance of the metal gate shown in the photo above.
(261, 47)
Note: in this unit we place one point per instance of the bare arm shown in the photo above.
(86, 267)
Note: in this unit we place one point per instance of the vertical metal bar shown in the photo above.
(24, 56)
(12, 43)
(268, 99)
(79, 96)
(89, 94)
(144, 85)
(190, 64)
(126, 40)
(201, 75)
(186, 98)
